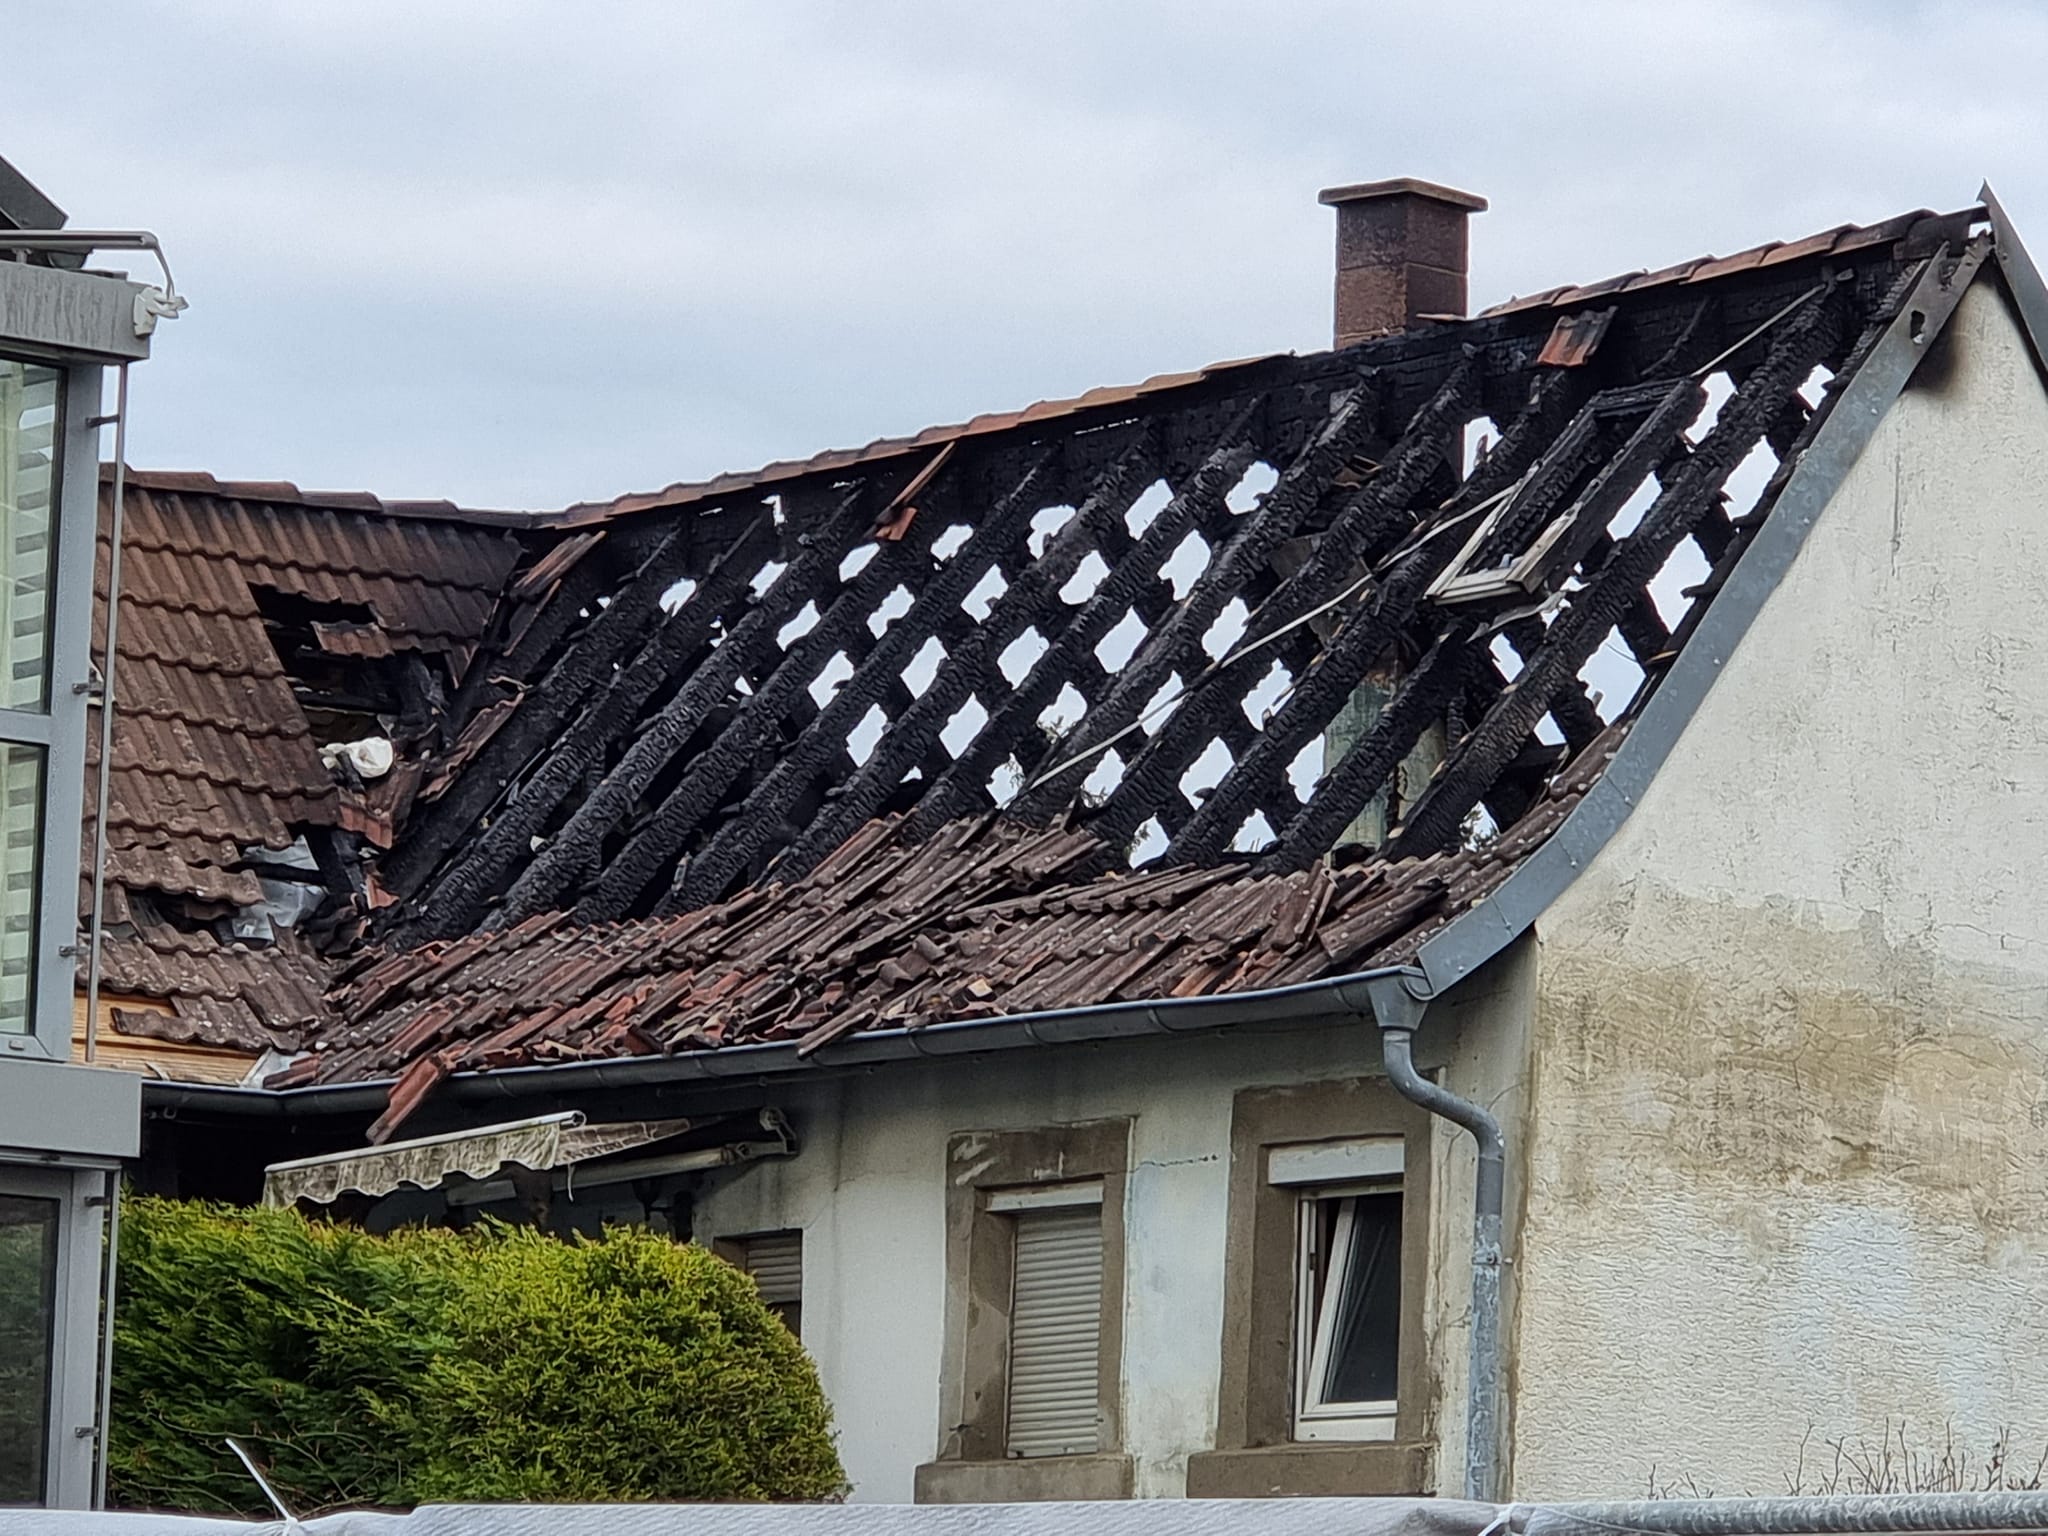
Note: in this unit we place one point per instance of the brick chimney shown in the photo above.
(1400, 254)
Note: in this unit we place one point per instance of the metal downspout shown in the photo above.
(1398, 1011)
(94, 941)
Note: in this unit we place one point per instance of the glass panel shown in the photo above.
(28, 1307)
(28, 499)
(1365, 1348)
(21, 815)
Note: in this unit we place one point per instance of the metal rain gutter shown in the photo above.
(1331, 997)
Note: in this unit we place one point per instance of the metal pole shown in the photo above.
(104, 1428)
(1397, 1011)
(113, 637)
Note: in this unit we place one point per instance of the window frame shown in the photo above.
(990, 1178)
(58, 732)
(80, 1189)
(1316, 1417)
(1257, 1450)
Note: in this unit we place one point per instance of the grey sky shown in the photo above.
(522, 254)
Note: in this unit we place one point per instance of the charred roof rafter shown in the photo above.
(1010, 624)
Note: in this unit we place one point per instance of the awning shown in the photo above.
(543, 1143)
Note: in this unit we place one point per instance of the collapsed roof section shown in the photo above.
(262, 635)
(984, 918)
(1252, 614)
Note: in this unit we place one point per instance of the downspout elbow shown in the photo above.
(1397, 1009)
(1397, 1050)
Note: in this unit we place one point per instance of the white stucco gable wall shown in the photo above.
(1788, 1167)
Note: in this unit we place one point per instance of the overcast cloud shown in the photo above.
(522, 254)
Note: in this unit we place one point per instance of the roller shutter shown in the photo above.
(1056, 1332)
(776, 1261)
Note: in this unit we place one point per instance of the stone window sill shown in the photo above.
(1024, 1479)
(1324, 1469)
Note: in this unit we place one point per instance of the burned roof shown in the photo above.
(1380, 606)
(244, 614)
(984, 917)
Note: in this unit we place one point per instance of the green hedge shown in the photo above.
(494, 1364)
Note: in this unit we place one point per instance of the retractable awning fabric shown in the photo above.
(542, 1143)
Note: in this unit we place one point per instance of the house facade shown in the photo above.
(1767, 1071)
(992, 885)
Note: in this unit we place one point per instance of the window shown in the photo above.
(29, 434)
(1055, 1319)
(1325, 1383)
(1347, 1293)
(1536, 532)
(776, 1261)
(28, 1310)
(1030, 1378)
(1347, 1284)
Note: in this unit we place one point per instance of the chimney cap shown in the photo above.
(1401, 186)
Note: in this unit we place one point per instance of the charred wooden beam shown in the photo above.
(465, 894)
(1572, 709)
(755, 717)
(1374, 621)
(1641, 626)
(1070, 658)
(522, 641)
(765, 813)
(969, 669)
(745, 648)
(1345, 790)
(1875, 322)
(1374, 515)
(1168, 646)
(1795, 346)
(563, 693)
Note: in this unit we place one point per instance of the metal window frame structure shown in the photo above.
(78, 323)
(58, 732)
(84, 1199)
(65, 1128)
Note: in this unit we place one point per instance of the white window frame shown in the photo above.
(1376, 1166)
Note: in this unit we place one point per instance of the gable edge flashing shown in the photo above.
(2022, 277)
(1476, 936)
